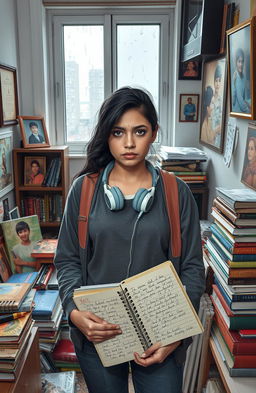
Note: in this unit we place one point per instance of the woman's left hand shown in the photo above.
(155, 354)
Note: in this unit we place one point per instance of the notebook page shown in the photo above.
(162, 304)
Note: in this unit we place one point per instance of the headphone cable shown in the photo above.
(131, 244)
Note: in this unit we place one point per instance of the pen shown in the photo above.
(10, 317)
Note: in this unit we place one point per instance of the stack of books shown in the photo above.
(64, 354)
(47, 315)
(231, 252)
(184, 162)
(47, 208)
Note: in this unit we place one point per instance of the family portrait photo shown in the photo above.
(34, 170)
(20, 237)
(249, 167)
(33, 131)
(241, 42)
(189, 104)
(213, 104)
(6, 175)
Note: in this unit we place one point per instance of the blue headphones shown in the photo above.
(143, 198)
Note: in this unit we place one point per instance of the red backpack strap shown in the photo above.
(87, 192)
(172, 205)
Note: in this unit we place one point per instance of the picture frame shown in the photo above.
(33, 132)
(9, 108)
(34, 170)
(14, 213)
(189, 106)
(5, 269)
(190, 70)
(213, 103)
(241, 41)
(6, 166)
(30, 224)
(248, 176)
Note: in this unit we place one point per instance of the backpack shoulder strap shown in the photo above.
(172, 205)
(87, 192)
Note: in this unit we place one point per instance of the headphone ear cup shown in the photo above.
(114, 198)
(138, 199)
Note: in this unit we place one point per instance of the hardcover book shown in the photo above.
(150, 307)
(12, 295)
(29, 277)
(237, 197)
(45, 248)
(45, 303)
(230, 226)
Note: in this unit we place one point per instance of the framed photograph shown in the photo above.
(190, 70)
(21, 235)
(34, 170)
(33, 131)
(6, 171)
(213, 104)
(241, 42)
(249, 168)
(8, 96)
(14, 213)
(189, 104)
(5, 269)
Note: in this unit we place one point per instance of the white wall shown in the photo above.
(8, 56)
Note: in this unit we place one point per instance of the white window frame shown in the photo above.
(109, 18)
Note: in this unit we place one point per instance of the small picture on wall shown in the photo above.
(34, 170)
(249, 168)
(190, 70)
(189, 104)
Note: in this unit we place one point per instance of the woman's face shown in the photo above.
(131, 138)
(35, 168)
(217, 83)
(251, 151)
(240, 64)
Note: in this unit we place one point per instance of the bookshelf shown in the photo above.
(46, 201)
(201, 194)
(231, 384)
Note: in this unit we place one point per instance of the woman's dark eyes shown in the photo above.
(139, 132)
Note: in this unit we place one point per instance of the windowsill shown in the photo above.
(76, 156)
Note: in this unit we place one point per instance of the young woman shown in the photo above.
(35, 177)
(249, 176)
(124, 241)
(240, 103)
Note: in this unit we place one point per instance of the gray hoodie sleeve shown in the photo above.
(68, 259)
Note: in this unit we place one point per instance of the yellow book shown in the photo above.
(12, 295)
(150, 307)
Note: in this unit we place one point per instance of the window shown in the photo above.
(96, 53)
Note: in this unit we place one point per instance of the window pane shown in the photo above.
(84, 79)
(138, 57)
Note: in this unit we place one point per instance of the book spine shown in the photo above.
(134, 317)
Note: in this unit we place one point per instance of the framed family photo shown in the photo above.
(34, 170)
(8, 96)
(213, 103)
(189, 104)
(33, 131)
(249, 168)
(6, 171)
(241, 41)
(190, 70)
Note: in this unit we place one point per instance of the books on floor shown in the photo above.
(58, 382)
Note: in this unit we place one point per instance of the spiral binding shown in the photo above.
(135, 319)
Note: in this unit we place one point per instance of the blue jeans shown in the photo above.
(161, 378)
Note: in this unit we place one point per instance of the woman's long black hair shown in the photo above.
(98, 153)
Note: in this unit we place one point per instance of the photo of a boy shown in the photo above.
(35, 136)
(22, 252)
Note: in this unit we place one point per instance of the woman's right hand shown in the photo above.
(93, 327)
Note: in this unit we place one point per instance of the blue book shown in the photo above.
(45, 303)
(237, 301)
(215, 230)
(28, 277)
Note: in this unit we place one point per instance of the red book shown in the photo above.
(248, 333)
(64, 351)
(244, 361)
(237, 344)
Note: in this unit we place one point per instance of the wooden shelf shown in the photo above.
(231, 384)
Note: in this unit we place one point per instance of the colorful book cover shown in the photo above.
(45, 248)
(23, 277)
(12, 294)
(13, 328)
(45, 301)
(62, 382)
